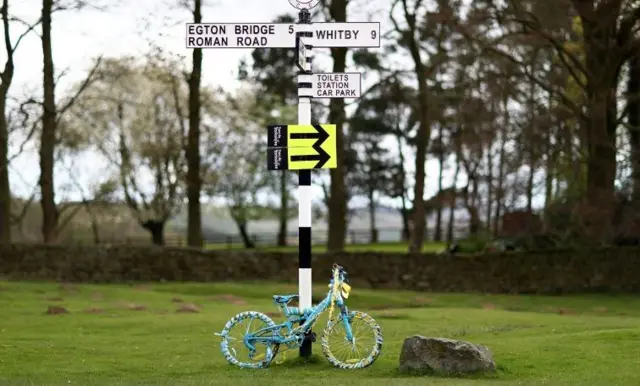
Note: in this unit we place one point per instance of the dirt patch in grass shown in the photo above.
(391, 315)
(396, 306)
(565, 311)
(141, 287)
(177, 300)
(188, 308)
(489, 306)
(421, 300)
(93, 310)
(136, 307)
(231, 299)
(601, 310)
(68, 288)
(56, 310)
(54, 299)
(97, 296)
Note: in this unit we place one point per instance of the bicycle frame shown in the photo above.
(310, 315)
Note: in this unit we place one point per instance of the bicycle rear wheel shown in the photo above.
(255, 355)
(359, 353)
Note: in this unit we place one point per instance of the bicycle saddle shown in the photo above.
(283, 299)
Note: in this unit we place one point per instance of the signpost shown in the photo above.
(305, 146)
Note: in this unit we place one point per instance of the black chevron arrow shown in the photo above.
(322, 157)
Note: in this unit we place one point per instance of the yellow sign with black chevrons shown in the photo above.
(301, 147)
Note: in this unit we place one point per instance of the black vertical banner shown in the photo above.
(277, 158)
(277, 136)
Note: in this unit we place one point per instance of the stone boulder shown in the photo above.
(422, 355)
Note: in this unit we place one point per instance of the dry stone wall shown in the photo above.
(555, 272)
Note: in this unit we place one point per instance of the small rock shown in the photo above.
(420, 355)
(188, 307)
(56, 310)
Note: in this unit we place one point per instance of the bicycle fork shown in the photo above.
(347, 329)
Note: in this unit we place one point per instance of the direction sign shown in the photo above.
(354, 35)
(240, 35)
(301, 147)
(281, 35)
(301, 54)
(336, 85)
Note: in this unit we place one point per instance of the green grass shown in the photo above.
(401, 247)
(562, 340)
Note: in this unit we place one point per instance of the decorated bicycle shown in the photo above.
(350, 340)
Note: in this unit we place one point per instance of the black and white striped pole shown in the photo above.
(303, 62)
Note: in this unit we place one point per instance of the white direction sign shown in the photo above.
(354, 35)
(240, 35)
(336, 85)
(281, 35)
(301, 54)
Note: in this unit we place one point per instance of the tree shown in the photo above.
(372, 175)
(138, 124)
(6, 78)
(337, 10)
(273, 71)
(241, 177)
(51, 114)
(431, 30)
(607, 31)
(194, 181)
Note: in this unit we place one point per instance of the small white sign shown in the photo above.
(353, 35)
(241, 35)
(302, 54)
(337, 85)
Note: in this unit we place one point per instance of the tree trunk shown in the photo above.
(194, 182)
(437, 236)
(338, 194)
(500, 185)
(6, 77)
(404, 211)
(530, 186)
(490, 192)
(246, 240)
(47, 142)
(472, 207)
(422, 143)
(372, 218)
(156, 228)
(452, 205)
(5, 188)
(633, 101)
(284, 209)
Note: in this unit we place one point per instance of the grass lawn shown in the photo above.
(400, 247)
(109, 338)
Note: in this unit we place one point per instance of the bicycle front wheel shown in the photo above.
(243, 354)
(359, 353)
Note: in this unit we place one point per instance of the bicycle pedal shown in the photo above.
(310, 337)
